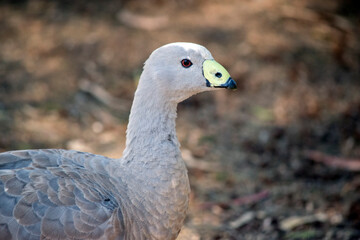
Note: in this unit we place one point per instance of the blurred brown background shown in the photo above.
(277, 159)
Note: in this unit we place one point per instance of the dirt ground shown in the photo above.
(277, 159)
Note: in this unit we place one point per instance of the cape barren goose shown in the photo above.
(65, 194)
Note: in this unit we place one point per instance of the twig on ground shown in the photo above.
(253, 198)
(351, 164)
(243, 220)
(250, 199)
(202, 165)
(295, 221)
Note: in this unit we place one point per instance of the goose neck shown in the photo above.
(151, 127)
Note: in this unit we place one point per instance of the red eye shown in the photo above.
(186, 63)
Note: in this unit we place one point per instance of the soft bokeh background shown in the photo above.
(277, 159)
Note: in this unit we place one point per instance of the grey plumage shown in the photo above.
(53, 196)
(60, 194)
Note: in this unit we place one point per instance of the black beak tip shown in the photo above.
(231, 84)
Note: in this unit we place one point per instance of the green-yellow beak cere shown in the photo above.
(217, 76)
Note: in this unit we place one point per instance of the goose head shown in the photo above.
(179, 70)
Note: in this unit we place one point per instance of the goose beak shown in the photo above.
(216, 75)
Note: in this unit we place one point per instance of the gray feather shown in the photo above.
(43, 199)
(53, 183)
(69, 226)
(97, 233)
(14, 186)
(89, 219)
(53, 197)
(6, 175)
(80, 225)
(53, 213)
(39, 209)
(45, 160)
(5, 232)
(23, 175)
(16, 164)
(23, 234)
(7, 204)
(52, 229)
(24, 213)
(34, 229)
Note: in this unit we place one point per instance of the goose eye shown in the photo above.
(186, 63)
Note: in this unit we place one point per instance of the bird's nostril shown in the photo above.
(218, 75)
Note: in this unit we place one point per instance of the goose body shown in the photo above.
(66, 194)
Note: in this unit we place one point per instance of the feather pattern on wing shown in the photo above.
(55, 194)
